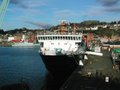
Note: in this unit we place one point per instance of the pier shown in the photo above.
(97, 74)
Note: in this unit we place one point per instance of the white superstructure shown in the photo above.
(60, 44)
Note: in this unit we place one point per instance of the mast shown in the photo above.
(63, 27)
(74, 28)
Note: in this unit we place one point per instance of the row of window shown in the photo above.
(59, 38)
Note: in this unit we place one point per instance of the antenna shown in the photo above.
(3, 8)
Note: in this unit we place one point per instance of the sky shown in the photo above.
(36, 14)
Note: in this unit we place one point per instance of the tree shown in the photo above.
(1, 31)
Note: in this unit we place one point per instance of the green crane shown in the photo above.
(3, 8)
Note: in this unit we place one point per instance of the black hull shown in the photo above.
(61, 65)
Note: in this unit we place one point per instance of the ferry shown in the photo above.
(62, 52)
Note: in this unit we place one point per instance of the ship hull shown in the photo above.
(61, 65)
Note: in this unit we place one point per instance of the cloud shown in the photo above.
(110, 5)
(65, 14)
(108, 2)
(26, 4)
(18, 3)
(94, 11)
(113, 9)
(15, 1)
(25, 9)
(40, 24)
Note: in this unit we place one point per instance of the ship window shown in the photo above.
(41, 44)
(79, 38)
(46, 38)
(63, 38)
(73, 38)
(43, 38)
(59, 37)
(38, 38)
(68, 38)
(56, 38)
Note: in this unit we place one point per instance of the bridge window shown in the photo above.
(61, 37)
(68, 38)
(73, 38)
(79, 38)
(43, 38)
(38, 38)
(55, 37)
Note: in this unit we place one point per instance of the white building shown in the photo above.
(10, 38)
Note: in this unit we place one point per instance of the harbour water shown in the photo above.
(17, 64)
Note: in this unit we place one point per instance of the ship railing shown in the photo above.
(57, 33)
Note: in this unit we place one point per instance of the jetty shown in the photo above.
(97, 74)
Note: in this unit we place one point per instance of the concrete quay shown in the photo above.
(97, 74)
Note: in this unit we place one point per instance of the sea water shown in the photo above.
(22, 64)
